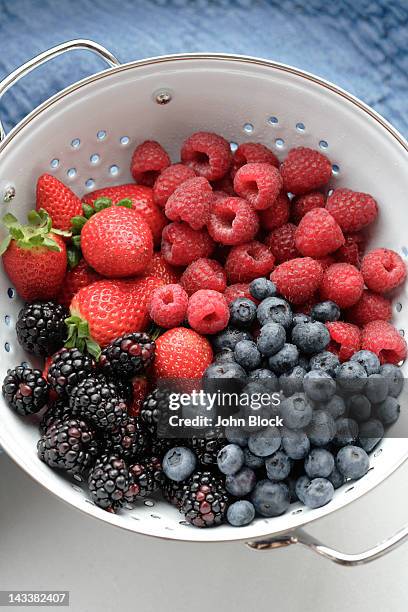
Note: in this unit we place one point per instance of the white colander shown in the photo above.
(85, 136)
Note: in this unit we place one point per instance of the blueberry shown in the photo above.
(247, 355)
(224, 356)
(292, 382)
(325, 311)
(326, 361)
(304, 362)
(271, 338)
(275, 310)
(322, 428)
(368, 360)
(285, 359)
(262, 288)
(319, 463)
(299, 317)
(352, 462)
(252, 461)
(179, 463)
(300, 488)
(346, 431)
(319, 386)
(318, 493)
(265, 442)
(240, 513)
(336, 406)
(377, 388)
(351, 377)
(370, 433)
(256, 400)
(296, 411)
(336, 478)
(278, 466)
(388, 411)
(224, 377)
(359, 408)
(270, 498)
(311, 338)
(242, 312)
(236, 435)
(241, 483)
(296, 444)
(228, 339)
(395, 378)
(268, 379)
(230, 459)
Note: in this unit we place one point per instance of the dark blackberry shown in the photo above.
(207, 447)
(69, 445)
(173, 491)
(205, 500)
(25, 390)
(129, 440)
(110, 483)
(128, 355)
(41, 327)
(160, 446)
(155, 410)
(147, 476)
(124, 387)
(67, 369)
(98, 401)
(58, 411)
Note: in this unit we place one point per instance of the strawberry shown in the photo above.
(58, 200)
(159, 267)
(142, 201)
(34, 256)
(181, 353)
(80, 276)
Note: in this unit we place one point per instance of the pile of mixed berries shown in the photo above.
(227, 268)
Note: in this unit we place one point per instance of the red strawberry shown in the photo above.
(58, 200)
(142, 201)
(80, 276)
(181, 353)
(117, 242)
(34, 257)
(159, 267)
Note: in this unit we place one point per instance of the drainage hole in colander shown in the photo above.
(185, 523)
(114, 170)
(90, 184)
(54, 163)
(329, 193)
(378, 452)
(156, 516)
(169, 528)
(11, 292)
(273, 120)
(398, 307)
(149, 503)
(135, 518)
(298, 511)
(101, 135)
(75, 143)
(349, 489)
(7, 319)
(77, 489)
(89, 501)
(7, 347)
(402, 332)
(124, 140)
(335, 169)
(71, 173)
(233, 146)
(94, 158)
(300, 127)
(279, 142)
(248, 128)
(404, 250)
(323, 144)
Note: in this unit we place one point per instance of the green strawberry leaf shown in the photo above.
(9, 220)
(73, 256)
(16, 232)
(93, 349)
(88, 210)
(38, 240)
(59, 232)
(5, 244)
(34, 218)
(51, 244)
(125, 202)
(76, 241)
(78, 223)
(79, 337)
(102, 203)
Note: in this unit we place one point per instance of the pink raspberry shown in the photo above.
(277, 214)
(345, 339)
(370, 307)
(318, 234)
(352, 250)
(258, 183)
(204, 274)
(248, 261)
(343, 284)
(148, 160)
(168, 306)
(208, 154)
(238, 290)
(305, 170)
(385, 341)
(352, 210)
(298, 279)
(232, 221)
(252, 152)
(168, 181)
(383, 270)
(305, 203)
(181, 244)
(207, 312)
(281, 242)
(325, 261)
(191, 202)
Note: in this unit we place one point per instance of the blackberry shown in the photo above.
(205, 500)
(173, 491)
(97, 400)
(69, 445)
(129, 440)
(207, 447)
(67, 369)
(128, 355)
(58, 411)
(25, 390)
(110, 483)
(124, 388)
(41, 328)
(147, 476)
(155, 410)
(160, 446)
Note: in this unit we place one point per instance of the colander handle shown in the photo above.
(349, 560)
(71, 45)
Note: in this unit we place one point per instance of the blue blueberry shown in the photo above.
(351, 377)
(311, 338)
(292, 382)
(299, 317)
(242, 312)
(265, 442)
(291, 483)
(296, 411)
(236, 435)
(296, 444)
(326, 361)
(230, 459)
(370, 434)
(395, 378)
(318, 493)
(241, 483)
(252, 461)
(247, 355)
(377, 388)
(352, 462)
(359, 407)
(319, 386)
(336, 478)
(285, 359)
(325, 311)
(268, 379)
(275, 310)
(240, 513)
(278, 466)
(368, 360)
(179, 463)
(336, 406)
(224, 377)
(270, 498)
(388, 411)
(224, 356)
(300, 487)
(229, 338)
(321, 429)
(319, 463)
(271, 338)
(256, 400)
(262, 288)
(304, 362)
(346, 431)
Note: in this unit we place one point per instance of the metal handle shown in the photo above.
(71, 45)
(348, 560)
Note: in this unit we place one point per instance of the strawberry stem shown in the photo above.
(37, 233)
(79, 337)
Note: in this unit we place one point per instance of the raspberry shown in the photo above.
(207, 311)
(191, 202)
(281, 242)
(352, 250)
(204, 274)
(252, 152)
(318, 234)
(168, 181)
(306, 308)
(159, 268)
(258, 183)
(148, 160)
(305, 203)
(383, 270)
(305, 170)
(208, 154)
(80, 276)
(370, 307)
(383, 339)
(168, 305)
(298, 279)
(343, 284)
(248, 261)
(345, 339)
(352, 210)
(181, 244)
(238, 290)
(232, 221)
(220, 195)
(225, 185)
(325, 261)
(277, 214)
